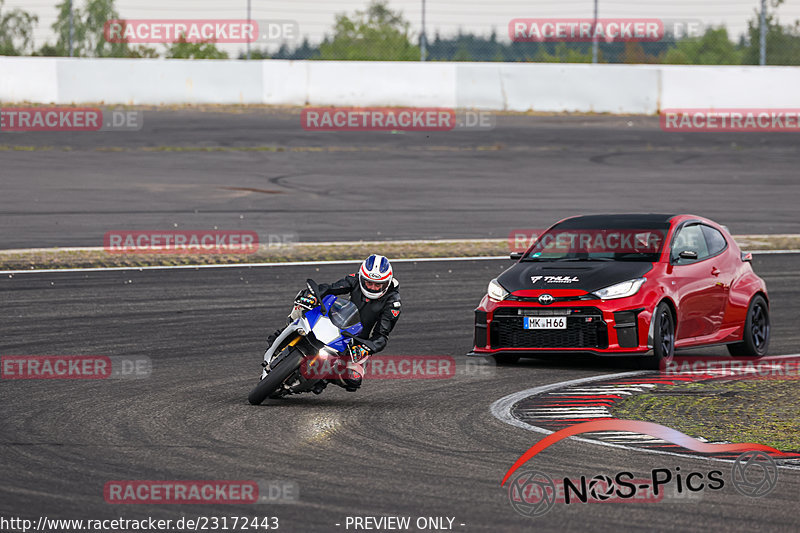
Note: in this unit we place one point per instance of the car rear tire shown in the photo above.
(755, 337)
(663, 338)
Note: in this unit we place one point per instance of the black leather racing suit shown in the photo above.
(377, 316)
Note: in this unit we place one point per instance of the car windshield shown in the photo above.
(598, 244)
(344, 314)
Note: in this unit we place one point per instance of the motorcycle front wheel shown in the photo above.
(273, 381)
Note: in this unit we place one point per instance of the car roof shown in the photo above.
(622, 220)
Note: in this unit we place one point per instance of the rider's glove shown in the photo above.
(307, 301)
(358, 353)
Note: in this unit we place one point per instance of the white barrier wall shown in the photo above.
(28, 80)
(726, 87)
(635, 89)
(398, 83)
(153, 81)
(569, 87)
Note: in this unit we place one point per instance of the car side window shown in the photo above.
(689, 239)
(715, 241)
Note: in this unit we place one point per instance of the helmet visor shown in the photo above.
(376, 287)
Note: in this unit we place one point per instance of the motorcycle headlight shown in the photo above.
(496, 291)
(620, 290)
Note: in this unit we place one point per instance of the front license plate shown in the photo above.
(545, 322)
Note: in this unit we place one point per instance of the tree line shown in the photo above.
(378, 33)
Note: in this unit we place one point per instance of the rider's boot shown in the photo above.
(350, 384)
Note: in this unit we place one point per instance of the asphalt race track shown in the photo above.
(397, 447)
(263, 172)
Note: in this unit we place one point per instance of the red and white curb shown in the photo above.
(548, 408)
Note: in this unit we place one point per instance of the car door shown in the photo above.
(723, 270)
(700, 297)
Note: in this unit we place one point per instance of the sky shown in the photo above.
(316, 17)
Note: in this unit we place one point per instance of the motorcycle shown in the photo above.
(319, 337)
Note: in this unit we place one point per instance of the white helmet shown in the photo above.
(377, 271)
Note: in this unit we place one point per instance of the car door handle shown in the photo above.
(715, 271)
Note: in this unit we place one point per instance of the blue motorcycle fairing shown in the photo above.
(312, 315)
(340, 344)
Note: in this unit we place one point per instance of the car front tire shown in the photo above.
(663, 338)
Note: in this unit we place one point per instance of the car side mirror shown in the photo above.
(747, 257)
(688, 254)
(516, 256)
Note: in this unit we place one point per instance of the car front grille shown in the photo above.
(585, 329)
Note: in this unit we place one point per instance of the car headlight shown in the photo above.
(496, 291)
(620, 290)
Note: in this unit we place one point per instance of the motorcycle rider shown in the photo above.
(374, 290)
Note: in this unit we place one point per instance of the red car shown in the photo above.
(642, 285)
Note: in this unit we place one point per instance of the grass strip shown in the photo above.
(87, 258)
(735, 410)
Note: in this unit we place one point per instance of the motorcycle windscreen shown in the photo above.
(344, 314)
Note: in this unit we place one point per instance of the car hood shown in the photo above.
(586, 275)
